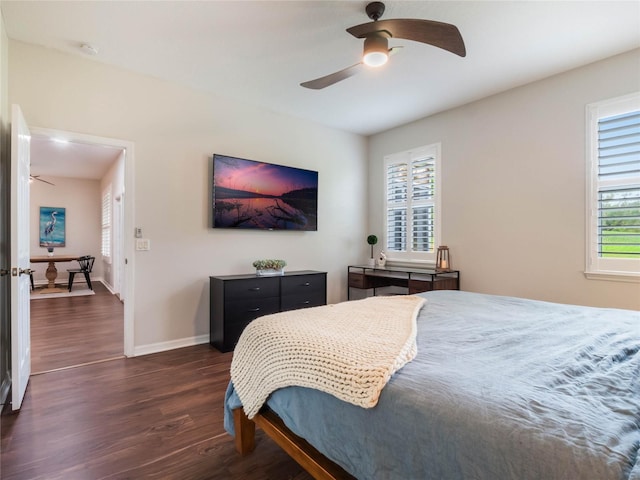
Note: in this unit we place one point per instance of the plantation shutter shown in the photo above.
(411, 201)
(619, 186)
(397, 200)
(106, 225)
(423, 193)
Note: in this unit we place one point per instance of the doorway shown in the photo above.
(107, 165)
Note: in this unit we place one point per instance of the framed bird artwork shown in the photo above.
(52, 226)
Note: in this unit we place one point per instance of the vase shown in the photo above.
(269, 272)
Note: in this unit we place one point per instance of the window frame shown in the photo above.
(407, 156)
(597, 267)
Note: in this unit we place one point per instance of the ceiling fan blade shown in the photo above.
(329, 80)
(332, 78)
(438, 34)
(37, 177)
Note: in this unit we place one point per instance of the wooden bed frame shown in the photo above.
(319, 466)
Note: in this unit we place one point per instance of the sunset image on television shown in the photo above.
(251, 194)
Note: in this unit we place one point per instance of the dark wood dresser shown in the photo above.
(235, 300)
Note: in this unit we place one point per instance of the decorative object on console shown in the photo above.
(372, 240)
(382, 259)
(52, 226)
(443, 262)
(256, 195)
(269, 267)
(50, 251)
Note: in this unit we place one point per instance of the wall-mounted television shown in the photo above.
(257, 195)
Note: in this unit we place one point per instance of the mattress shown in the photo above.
(501, 388)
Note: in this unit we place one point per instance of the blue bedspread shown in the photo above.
(501, 388)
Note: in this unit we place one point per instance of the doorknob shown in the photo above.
(25, 271)
(3, 272)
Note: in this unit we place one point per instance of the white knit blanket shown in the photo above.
(349, 350)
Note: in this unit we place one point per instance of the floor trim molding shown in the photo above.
(170, 345)
(79, 365)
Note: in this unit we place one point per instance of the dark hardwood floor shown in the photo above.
(154, 416)
(76, 330)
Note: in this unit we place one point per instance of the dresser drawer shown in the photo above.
(303, 284)
(236, 300)
(251, 288)
(245, 310)
(232, 334)
(304, 300)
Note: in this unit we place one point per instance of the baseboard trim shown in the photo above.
(170, 345)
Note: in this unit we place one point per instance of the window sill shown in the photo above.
(411, 263)
(627, 277)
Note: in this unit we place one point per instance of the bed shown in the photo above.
(501, 388)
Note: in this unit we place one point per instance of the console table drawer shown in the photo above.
(360, 280)
(418, 286)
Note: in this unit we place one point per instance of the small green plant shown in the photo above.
(269, 264)
(372, 240)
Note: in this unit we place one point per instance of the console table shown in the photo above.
(416, 280)
(236, 300)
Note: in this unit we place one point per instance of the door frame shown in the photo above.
(129, 211)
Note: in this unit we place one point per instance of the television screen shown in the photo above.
(258, 195)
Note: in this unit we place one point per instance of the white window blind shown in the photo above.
(411, 202)
(106, 225)
(614, 187)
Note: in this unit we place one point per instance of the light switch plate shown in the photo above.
(143, 244)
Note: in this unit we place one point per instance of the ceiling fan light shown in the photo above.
(376, 51)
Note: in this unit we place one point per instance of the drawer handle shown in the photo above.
(307, 284)
(255, 289)
(257, 309)
(306, 302)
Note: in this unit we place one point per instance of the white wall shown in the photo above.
(81, 199)
(175, 131)
(513, 194)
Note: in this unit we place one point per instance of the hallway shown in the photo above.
(76, 330)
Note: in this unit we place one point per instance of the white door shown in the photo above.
(20, 307)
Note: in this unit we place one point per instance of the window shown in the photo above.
(412, 198)
(613, 189)
(106, 224)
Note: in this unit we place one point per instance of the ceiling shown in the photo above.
(55, 157)
(260, 51)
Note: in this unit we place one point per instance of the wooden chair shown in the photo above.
(86, 265)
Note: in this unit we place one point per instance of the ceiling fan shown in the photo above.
(376, 36)
(37, 177)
